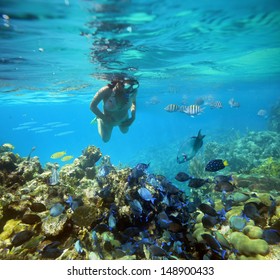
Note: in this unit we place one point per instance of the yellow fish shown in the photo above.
(66, 158)
(58, 155)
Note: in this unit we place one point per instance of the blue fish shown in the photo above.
(271, 236)
(56, 209)
(163, 220)
(78, 247)
(136, 207)
(145, 194)
(112, 221)
(138, 171)
(214, 244)
(74, 203)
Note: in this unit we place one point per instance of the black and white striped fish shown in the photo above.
(172, 108)
(216, 105)
(191, 110)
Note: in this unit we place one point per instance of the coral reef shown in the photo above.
(93, 210)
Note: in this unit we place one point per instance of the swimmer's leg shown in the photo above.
(123, 129)
(104, 130)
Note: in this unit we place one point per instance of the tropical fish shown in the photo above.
(58, 155)
(216, 105)
(214, 244)
(233, 104)
(215, 165)
(163, 220)
(222, 178)
(209, 221)
(192, 110)
(74, 203)
(190, 148)
(172, 108)
(78, 247)
(146, 195)
(21, 237)
(56, 209)
(66, 158)
(51, 251)
(31, 151)
(197, 182)
(271, 236)
(262, 113)
(199, 101)
(64, 133)
(237, 222)
(182, 177)
(207, 209)
(224, 186)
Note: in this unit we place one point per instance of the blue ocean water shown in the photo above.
(56, 54)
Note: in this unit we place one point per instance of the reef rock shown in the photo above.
(247, 246)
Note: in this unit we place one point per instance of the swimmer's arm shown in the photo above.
(133, 108)
(98, 97)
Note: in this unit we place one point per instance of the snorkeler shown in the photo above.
(118, 98)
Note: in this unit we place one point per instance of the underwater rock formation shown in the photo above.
(98, 211)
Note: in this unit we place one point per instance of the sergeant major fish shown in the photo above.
(192, 110)
(172, 108)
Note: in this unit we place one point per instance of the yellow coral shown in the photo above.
(270, 167)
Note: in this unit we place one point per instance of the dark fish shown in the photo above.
(198, 141)
(51, 251)
(271, 236)
(214, 244)
(251, 210)
(272, 207)
(222, 178)
(157, 251)
(136, 207)
(182, 177)
(163, 220)
(197, 182)
(207, 209)
(38, 207)
(31, 151)
(21, 237)
(224, 186)
(137, 172)
(209, 221)
(189, 148)
(215, 165)
(31, 219)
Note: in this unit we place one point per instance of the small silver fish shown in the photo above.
(216, 105)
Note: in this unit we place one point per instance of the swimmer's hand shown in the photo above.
(94, 121)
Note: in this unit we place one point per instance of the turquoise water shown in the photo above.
(55, 54)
